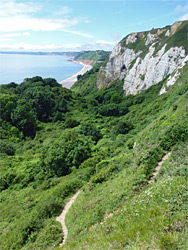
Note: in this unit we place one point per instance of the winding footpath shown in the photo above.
(165, 157)
(61, 217)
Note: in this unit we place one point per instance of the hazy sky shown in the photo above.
(66, 25)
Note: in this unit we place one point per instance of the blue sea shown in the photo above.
(17, 67)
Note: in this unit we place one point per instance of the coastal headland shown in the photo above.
(67, 83)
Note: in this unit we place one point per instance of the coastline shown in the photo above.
(68, 83)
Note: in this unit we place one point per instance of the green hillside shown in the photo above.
(57, 141)
(94, 56)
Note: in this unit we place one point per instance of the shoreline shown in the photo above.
(68, 83)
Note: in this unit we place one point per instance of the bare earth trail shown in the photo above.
(165, 157)
(61, 217)
(152, 179)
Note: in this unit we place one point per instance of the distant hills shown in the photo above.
(122, 143)
(99, 55)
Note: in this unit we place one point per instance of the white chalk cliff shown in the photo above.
(146, 58)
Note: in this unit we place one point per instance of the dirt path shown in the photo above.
(165, 157)
(61, 217)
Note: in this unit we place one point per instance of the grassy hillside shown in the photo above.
(93, 56)
(105, 144)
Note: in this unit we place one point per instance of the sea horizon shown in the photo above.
(16, 66)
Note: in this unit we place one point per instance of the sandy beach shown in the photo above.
(67, 83)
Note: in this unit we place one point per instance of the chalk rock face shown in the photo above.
(146, 58)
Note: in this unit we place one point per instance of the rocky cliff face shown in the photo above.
(145, 58)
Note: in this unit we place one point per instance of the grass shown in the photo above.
(114, 179)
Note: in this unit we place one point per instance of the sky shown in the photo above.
(77, 25)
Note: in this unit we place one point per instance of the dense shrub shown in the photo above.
(113, 109)
(42, 100)
(71, 123)
(23, 118)
(58, 158)
(104, 174)
(88, 129)
(175, 134)
(123, 127)
(6, 180)
(149, 159)
(109, 110)
(7, 147)
(48, 236)
(116, 98)
(51, 82)
(8, 104)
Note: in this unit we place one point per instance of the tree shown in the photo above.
(23, 118)
(88, 129)
(42, 100)
(8, 104)
(123, 127)
(51, 82)
(72, 150)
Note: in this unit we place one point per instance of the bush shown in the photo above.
(88, 129)
(123, 127)
(149, 159)
(6, 180)
(109, 110)
(104, 174)
(71, 123)
(50, 235)
(116, 98)
(174, 135)
(58, 158)
(24, 119)
(7, 147)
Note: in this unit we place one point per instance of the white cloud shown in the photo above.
(26, 34)
(12, 8)
(184, 17)
(63, 10)
(5, 39)
(23, 23)
(105, 42)
(77, 33)
(180, 8)
(11, 35)
(16, 17)
(95, 45)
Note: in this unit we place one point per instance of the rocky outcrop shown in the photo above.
(145, 58)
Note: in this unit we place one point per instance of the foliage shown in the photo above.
(109, 158)
(24, 119)
(7, 147)
(70, 151)
(175, 134)
(88, 129)
(123, 127)
(8, 104)
(96, 56)
(71, 123)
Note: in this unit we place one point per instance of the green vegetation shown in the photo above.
(56, 141)
(179, 38)
(95, 56)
